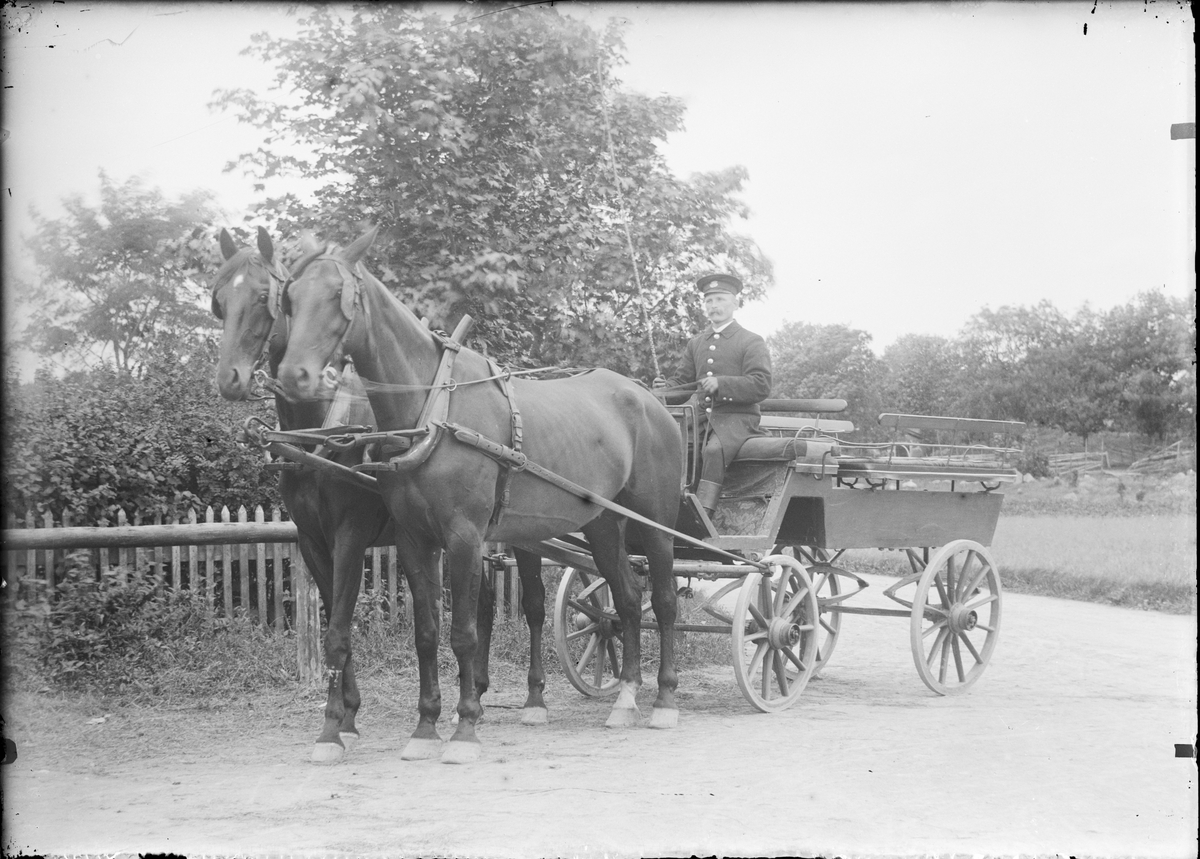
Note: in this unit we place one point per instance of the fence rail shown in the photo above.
(1061, 463)
(1171, 458)
(236, 564)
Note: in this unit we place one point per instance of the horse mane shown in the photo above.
(298, 267)
(234, 263)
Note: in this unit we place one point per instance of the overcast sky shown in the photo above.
(909, 163)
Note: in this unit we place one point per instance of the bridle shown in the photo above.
(351, 305)
(279, 279)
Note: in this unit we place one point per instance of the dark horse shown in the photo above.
(336, 521)
(598, 430)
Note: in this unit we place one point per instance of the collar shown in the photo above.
(729, 326)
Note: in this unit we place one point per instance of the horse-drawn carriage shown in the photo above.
(803, 491)
(595, 474)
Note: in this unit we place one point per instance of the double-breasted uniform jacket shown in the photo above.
(742, 366)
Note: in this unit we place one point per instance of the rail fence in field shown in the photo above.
(1174, 457)
(237, 564)
(1061, 463)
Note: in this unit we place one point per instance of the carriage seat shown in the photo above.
(766, 448)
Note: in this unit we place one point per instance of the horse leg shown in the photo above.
(351, 700)
(606, 536)
(319, 563)
(485, 618)
(464, 563)
(665, 601)
(422, 568)
(347, 575)
(533, 602)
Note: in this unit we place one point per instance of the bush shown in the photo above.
(97, 441)
(1034, 462)
(120, 631)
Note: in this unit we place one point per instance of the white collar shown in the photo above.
(717, 330)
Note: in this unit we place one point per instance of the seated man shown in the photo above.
(731, 369)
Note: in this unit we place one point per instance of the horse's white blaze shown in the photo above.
(237, 281)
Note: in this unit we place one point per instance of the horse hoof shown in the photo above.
(349, 739)
(534, 716)
(327, 753)
(623, 717)
(421, 750)
(459, 752)
(664, 717)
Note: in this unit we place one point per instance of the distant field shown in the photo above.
(1136, 561)
(1145, 548)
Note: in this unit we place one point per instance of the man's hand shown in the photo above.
(709, 385)
(659, 382)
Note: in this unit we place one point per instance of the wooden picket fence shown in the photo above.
(237, 565)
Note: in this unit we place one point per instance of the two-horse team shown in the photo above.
(488, 457)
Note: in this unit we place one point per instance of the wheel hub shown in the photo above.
(783, 633)
(963, 619)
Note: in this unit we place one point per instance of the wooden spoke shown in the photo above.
(937, 626)
(954, 624)
(589, 651)
(757, 614)
(776, 626)
(711, 606)
(971, 647)
(586, 633)
(827, 585)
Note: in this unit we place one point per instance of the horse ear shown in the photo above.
(228, 248)
(264, 245)
(360, 246)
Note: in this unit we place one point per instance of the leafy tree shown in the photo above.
(1071, 384)
(117, 277)
(998, 377)
(828, 361)
(482, 144)
(1152, 341)
(921, 375)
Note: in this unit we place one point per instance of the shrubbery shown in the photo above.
(123, 632)
(98, 441)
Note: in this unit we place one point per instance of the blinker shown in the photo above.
(349, 294)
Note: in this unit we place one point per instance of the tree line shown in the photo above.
(516, 180)
(1128, 369)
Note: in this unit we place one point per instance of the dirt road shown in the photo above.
(1066, 745)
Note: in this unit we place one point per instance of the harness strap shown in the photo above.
(437, 405)
(518, 436)
(519, 462)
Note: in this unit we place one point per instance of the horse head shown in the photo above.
(323, 302)
(245, 297)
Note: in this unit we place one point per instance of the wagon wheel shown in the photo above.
(828, 586)
(587, 632)
(955, 621)
(774, 634)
